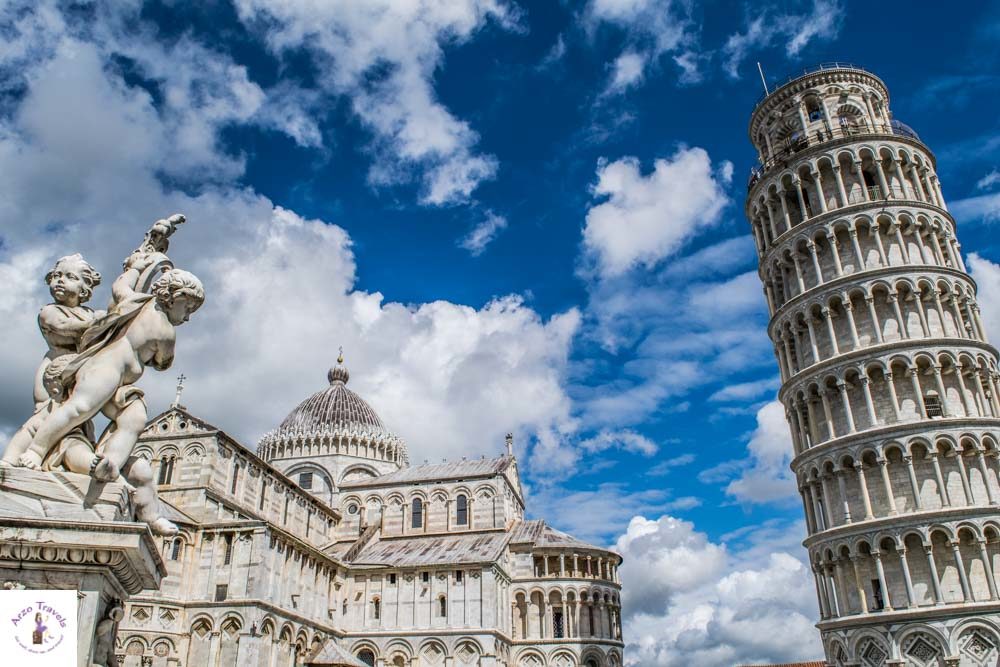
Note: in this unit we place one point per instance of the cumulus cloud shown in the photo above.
(382, 55)
(691, 601)
(987, 275)
(652, 28)
(820, 21)
(483, 233)
(644, 218)
(281, 288)
(763, 476)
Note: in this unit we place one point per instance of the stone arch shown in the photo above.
(366, 651)
(562, 658)
(922, 645)
(432, 652)
(468, 651)
(870, 649)
(976, 642)
(530, 657)
(357, 472)
(163, 647)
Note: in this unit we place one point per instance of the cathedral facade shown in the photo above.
(888, 381)
(325, 547)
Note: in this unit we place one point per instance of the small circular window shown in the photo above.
(352, 508)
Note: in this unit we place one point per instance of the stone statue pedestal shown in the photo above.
(66, 531)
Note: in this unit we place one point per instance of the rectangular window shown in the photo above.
(392, 579)
(263, 494)
(221, 592)
(933, 404)
(306, 480)
(458, 575)
(557, 623)
(425, 577)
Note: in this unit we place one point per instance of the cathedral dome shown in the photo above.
(336, 407)
(333, 414)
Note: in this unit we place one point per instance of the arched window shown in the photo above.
(175, 549)
(166, 470)
(376, 608)
(462, 510)
(367, 657)
(343, 608)
(229, 549)
(417, 519)
(443, 606)
(236, 478)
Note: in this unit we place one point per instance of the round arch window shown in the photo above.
(367, 657)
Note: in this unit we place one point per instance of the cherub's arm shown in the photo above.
(124, 286)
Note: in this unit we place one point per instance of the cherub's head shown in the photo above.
(72, 280)
(179, 294)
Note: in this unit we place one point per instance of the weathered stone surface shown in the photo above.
(61, 495)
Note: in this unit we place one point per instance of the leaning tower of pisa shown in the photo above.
(888, 381)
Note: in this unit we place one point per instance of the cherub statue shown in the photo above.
(71, 283)
(138, 331)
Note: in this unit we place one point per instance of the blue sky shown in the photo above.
(514, 216)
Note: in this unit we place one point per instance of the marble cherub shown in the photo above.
(71, 283)
(92, 367)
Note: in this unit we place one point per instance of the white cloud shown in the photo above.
(281, 289)
(989, 180)
(981, 208)
(652, 28)
(644, 219)
(987, 275)
(627, 71)
(383, 56)
(483, 233)
(821, 21)
(746, 391)
(625, 439)
(691, 601)
(664, 467)
(763, 476)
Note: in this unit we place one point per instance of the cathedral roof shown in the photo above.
(447, 470)
(433, 550)
(541, 535)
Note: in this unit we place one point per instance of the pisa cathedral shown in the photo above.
(889, 384)
(325, 547)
